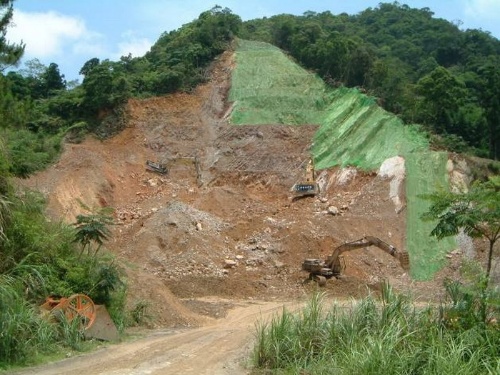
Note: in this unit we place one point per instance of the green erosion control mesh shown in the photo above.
(425, 173)
(356, 131)
(268, 88)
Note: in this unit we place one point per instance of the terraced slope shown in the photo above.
(269, 88)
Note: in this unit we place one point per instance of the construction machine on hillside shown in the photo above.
(156, 167)
(164, 166)
(321, 270)
(308, 186)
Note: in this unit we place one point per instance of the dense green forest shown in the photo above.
(425, 70)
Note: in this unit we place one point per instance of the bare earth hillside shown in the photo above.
(221, 223)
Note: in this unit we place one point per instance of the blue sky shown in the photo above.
(70, 32)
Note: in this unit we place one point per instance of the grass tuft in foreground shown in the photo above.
(390, 336)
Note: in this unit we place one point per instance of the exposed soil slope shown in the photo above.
(222, 221)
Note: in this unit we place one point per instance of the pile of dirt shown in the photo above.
(222, 222)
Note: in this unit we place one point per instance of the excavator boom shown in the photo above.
(332, 266)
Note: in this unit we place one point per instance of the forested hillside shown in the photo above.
(425, 70)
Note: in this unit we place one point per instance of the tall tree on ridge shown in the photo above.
(10, 53)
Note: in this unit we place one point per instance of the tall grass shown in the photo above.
(374, 337)
(27, 332)
(23, 332)
(38, 259)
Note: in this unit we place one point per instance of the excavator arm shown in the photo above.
(366, 242)
(332, 266)
(348, 246)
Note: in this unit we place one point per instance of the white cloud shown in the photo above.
(483, 9)
(46, 34)
(133, 44)
(91, 44)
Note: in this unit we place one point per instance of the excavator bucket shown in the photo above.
(404, 260)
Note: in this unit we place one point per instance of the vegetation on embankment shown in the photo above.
(391, 336)
(39, 258)
(267, 87)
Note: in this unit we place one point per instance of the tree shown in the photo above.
(490, 100)
(89, 65)
(476, 212)
(216, 28)
(442, 94)
(93, 228)
(282, 30)
(105, 87)
(33, 74)
(10, 53)
(53, 80)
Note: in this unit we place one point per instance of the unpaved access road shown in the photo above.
(222, 347)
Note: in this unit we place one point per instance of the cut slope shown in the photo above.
(230, 228)
(267, 87)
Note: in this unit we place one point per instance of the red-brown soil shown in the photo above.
(228, 228)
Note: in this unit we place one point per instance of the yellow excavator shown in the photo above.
(308, 186)
(321, 270)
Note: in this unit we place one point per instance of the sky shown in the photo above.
(70, 32)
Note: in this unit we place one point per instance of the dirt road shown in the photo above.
(219, 348)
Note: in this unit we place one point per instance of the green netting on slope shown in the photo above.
(268, 88)
(426, 173)
(356, 131)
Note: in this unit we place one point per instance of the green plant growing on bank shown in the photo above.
(139, 314)
(93, 228)
(476, 212)
(39, 258)
(23, 332)
(386, 336)
(4, 214)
